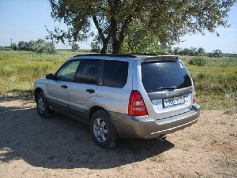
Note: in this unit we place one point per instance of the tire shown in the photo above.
(42, 106)
(102, 130)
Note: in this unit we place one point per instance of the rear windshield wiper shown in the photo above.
(166, 88)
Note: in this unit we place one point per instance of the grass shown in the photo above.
(216, 81)
(19, 69)
(31, 56)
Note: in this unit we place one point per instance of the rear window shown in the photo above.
(87, 72)
(115, 73)
(160, 76)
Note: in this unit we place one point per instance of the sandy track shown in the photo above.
(61, 147)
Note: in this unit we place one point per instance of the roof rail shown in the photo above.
(112, 55)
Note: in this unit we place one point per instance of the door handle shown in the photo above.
(90, 91)
(64, 86)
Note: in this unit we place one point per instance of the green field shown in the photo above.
(19, 69)
(216, 81)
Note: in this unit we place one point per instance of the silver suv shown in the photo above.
(121, 96)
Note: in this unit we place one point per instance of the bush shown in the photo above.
(95, 47)
(215, 53)
(198, 61)
(5, 48)
(40, 46)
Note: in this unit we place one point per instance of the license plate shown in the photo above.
(169, 102)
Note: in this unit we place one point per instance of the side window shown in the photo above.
(67, 72)
(87, 72)
(115, 73)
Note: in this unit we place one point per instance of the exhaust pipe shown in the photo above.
(162, 138)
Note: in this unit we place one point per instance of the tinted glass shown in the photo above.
(158, 76)
(87, 72)
(67, 71)
(115, 73)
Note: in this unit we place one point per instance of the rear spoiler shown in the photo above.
(160, 58)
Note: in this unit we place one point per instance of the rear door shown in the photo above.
(82, 92)
(115, 87)
(169, 87)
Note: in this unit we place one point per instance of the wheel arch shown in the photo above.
(96, 108)
(36, 92)
(114, 133)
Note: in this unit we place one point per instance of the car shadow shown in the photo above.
(60, 142)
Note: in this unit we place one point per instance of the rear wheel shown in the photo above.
(102, 129)
(42, 106)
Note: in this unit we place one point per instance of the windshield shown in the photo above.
(160, 76)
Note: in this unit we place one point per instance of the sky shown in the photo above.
(25, 20)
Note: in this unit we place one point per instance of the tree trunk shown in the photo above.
(116, 46)
(101, 35)
(104, 48)
(119, 38)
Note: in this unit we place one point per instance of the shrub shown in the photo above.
(198, 61)
(40, 46)
(95, 47)
(215, 53)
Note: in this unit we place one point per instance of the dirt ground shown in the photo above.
(60, 147)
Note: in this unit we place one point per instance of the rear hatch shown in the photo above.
(168, 85)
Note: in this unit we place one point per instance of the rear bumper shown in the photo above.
(147, 127)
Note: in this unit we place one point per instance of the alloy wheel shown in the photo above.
(100, 129)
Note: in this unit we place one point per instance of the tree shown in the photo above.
(177, 50)
(130, 45)
(75, 47)
(95, 46)
(200, 52)
(23, 46)
(217, 53)
(136, 42)
(14, 46)
(193, 51)
(186, 52)
(39, 46)
(166, 21)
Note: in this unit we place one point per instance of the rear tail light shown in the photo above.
(136, 106)
(194, 97)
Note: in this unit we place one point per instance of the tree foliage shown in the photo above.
(75, 47)
(39, 46)
(116, 21)
(189, 52)
(23, 46)
(14, 46)
(201, 51)
(136, 42)
(216, 53)
(95, 46)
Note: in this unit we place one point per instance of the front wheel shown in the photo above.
(42, 106)
(102, 129)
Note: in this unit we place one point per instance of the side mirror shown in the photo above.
(50, 76)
